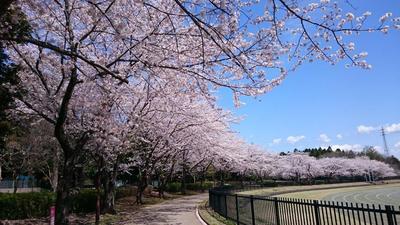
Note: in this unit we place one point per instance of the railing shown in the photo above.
(255, 210)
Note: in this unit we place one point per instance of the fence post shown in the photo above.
(316, 210)
(226, 206)
(237, 209)
(278, 220)
(389, 214)
(253, 218)
(210, 199)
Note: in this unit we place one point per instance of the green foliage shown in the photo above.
(7, 76)
(199, 186)
(84, 201)
(25, 205)
(37, 204)
(269, 183)
(173, 187)
(13, 22)
(372, 153)
(318, 182)
(126, 192)
(176, 186)
(319, 152)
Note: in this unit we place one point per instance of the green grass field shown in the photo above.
(352, 193)
(388, 194)
(285, 189)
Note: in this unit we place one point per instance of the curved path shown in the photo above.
(180, 211)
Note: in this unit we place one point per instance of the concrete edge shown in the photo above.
(199, 217)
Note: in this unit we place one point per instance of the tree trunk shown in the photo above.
(109, 192)
(54, 178)
(98, 196)
(221, 176)
(139, 196)
(202, 183)
(183, 180)
(66, 183)
(15, 182)
(161, 188)
(159, 185)
(141, 187)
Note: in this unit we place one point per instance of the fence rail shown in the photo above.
(257, 210)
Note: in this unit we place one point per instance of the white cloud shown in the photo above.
(355, 147)
(379, 148)
(339, 136)
(393, 128)
(365, 129)
(276, 141)
(294, 139)
(397, 145)
(324, 138)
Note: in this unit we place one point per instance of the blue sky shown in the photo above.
(321, 99)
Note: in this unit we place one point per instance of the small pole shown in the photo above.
(226, 206)
(210, 194)
(278, 221)
(237, 209)
(253, 218)
(316, 209)
(389, 214)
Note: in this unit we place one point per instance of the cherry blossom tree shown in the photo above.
(80, 51)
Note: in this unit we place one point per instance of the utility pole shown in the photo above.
(384, 142)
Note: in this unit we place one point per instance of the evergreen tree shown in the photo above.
(7, 76)
(12, 23)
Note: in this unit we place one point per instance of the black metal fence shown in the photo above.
(257, 210)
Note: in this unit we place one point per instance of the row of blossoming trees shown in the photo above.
(301, 167)
(130, 83)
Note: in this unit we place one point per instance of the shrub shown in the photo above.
(37, 204)
(176, 186)
(84, 201)
(269, 183)
(173, 187)
(126, 191)
(199, 186)
(25, 205)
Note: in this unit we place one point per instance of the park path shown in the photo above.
(180, 211)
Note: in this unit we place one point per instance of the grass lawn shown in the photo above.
(274, 191)
(211, 217)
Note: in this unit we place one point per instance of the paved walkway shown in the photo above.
(181, 211)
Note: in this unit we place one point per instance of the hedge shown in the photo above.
(176, 186)
(126, 191)
(25, 205)
(84, 201)
(199, 186)
(37, 204)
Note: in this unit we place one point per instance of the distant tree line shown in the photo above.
(368, 151)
